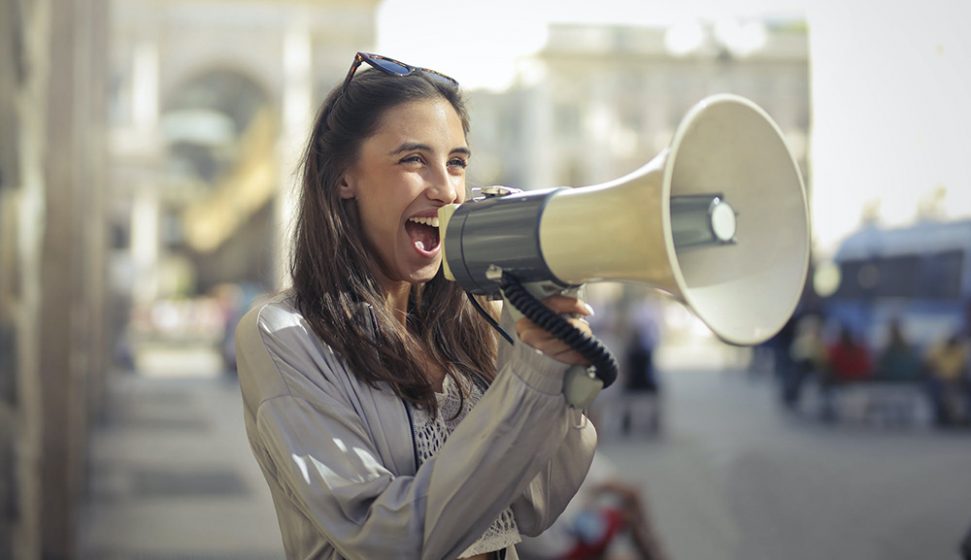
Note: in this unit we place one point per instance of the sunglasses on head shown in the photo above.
(393, 67)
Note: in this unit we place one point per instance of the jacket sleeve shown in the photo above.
(550, 491)
(548, 494)
(512, 444)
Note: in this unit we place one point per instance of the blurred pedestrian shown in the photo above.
(898, 360)
(780, 345)
(848, 358)
(640, 380)
(847, 361)
(807, 354)
(947, 379)
(605, 510)
(966, 545)
(365, 385)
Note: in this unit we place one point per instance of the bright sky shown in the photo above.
(891, 111)
(477, 42)
(891, 84)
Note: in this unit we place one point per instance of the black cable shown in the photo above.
(488, 318)
(586, 345)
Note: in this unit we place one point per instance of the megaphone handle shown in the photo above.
(604, 363)
(543, 289)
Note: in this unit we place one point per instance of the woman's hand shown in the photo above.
(534, 336)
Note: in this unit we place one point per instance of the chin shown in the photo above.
(422, 277)
(424, 274)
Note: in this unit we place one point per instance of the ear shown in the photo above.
(345, 188)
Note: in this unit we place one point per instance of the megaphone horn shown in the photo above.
(718, 221)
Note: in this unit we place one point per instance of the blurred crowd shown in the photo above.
(208, 320)
(812, 351)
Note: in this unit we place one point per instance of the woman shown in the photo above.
(359, 382)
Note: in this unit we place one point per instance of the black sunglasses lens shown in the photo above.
(395, 68)
(391, 66)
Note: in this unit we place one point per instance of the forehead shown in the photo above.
(427, 120)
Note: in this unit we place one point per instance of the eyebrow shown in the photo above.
(409, 146)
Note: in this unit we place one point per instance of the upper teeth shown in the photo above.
(430, 221)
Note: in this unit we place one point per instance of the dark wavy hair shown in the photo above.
(332, 266)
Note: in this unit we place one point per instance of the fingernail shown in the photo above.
(588, 309)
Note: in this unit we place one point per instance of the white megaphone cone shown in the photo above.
(718, 221)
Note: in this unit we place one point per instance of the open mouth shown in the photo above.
(423, 233)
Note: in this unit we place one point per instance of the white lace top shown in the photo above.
(430, 434)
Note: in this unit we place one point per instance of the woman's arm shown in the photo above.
(548, 494)
(551, 490)
(317, 447)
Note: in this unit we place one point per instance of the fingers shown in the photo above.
(540, 339)
(565, 304)
(546, 343)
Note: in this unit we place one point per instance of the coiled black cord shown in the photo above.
(604, 363)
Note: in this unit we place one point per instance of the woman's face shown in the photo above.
(414, 164)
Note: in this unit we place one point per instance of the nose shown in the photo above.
(444, 187)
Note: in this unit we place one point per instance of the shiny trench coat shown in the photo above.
(339, 456)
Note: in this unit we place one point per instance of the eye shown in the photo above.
(458, 162)
(412, 159)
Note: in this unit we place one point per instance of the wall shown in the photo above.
(52, 251)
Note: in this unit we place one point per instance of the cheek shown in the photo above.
(383, 208)
(373, 220)
(384, 223)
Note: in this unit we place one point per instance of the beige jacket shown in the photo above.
(339, 457)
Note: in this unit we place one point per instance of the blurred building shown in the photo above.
(209, 104)
(599, 101)
(146, 151)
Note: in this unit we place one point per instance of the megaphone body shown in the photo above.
(718, 221)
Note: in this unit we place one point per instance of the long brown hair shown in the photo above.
(331, 265)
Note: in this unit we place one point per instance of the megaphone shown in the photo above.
(718, 221)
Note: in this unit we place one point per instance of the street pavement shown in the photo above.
(734, 476)
(172, 477)
(730, 476)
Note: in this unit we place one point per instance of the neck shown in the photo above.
(396, 294)
(396, 297)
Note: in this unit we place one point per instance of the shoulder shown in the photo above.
(273, 311)
(279, 354)
(274, 323)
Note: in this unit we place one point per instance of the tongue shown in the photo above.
(423, 237)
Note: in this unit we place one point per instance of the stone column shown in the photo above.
(61, 290)
(52, 253)
(11, 78)
(23, 85)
